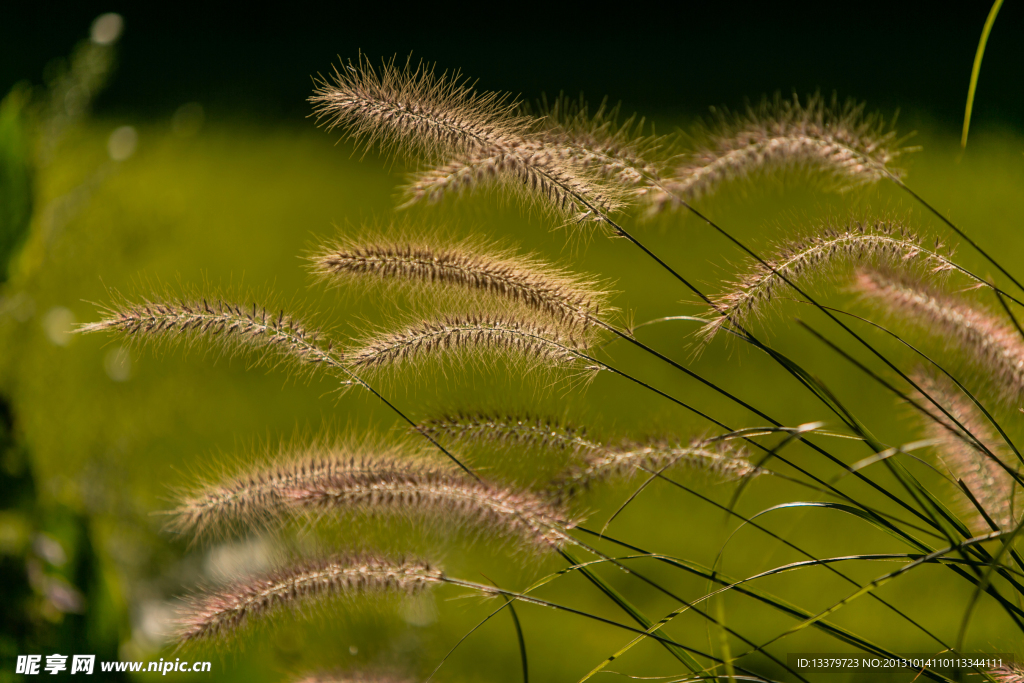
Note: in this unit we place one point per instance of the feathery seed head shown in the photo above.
(716, 456)
(988, 482)
(412, 108)
(516, 431)
(241, 329)
(992, 347)
(531, 171)
(457, 337)
(226, 611)
(1011, 672)
(473, 267)
(599, 460)
(880, 242)
(346, 482)
(840, 141)
(619, 152)
(475, 137)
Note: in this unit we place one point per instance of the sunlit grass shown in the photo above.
(238, 205)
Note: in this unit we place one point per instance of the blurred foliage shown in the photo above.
(16, 170)
(59, 594)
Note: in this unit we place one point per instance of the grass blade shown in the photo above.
(976, 69)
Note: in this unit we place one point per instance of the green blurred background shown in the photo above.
(181, 154)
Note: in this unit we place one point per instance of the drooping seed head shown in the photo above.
(992, 347)
(234, 328)
(411, 108)
(1011, 672)
(461, 338)
(823, 254)
(619, 152)
(472, 267)
(533, 172)
(721, 457)
(836, 141)
(988, 481)
(227, 611)
(511, 431)
(471, 138)
(597, 460)
(342, 481)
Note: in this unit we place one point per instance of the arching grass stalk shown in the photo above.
(594, 362)
(885, 578)
(533, 337)
(739, 586)
(928, 502)
(807, 618)
(965, 434)
(745, 521)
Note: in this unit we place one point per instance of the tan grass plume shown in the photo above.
(597, 460)
(988, 482)
(466, 337)
(535, 173)
(235, 328)
(823, 254)
(1011, 672)
(510, 431)
(472, 266)
(226, 611)
(402, 107)
(471, 139)
(351, 481)
(598, 141)
(836, 140)
(991, 346)
(720, 457)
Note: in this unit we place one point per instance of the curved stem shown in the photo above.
(903, 186)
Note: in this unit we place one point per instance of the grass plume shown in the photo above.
(471, 138)
(1011, 672)
(598, 142)
(991, 346)
(836, 141)
(988, 482)
(721, 457)
(535, 173)
(470, 266)
(456, 338)
(885, 243)
(235, 328)
(598, 460)
(225, 611)
(406, 107)
(343, 480)
(510, 431)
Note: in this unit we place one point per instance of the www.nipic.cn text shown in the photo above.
(86, 664)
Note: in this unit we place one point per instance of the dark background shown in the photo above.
(664, 61)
